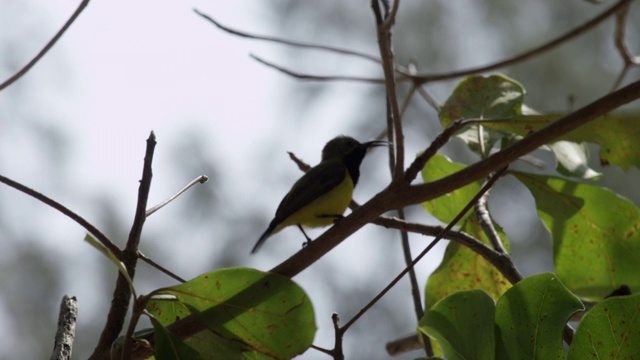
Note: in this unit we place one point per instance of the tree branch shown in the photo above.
(104, 240)
(66, 332)
(386, 54)
(308, 77)
(630, 60)
(293, 43)
(421, 79)
(46, 48)
(122, 291)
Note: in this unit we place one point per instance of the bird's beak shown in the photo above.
(375, 143)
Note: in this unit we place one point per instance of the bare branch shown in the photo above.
(104, 240)
(307, 77)
(528, 54)
(430, 99)
(289, 42)
(386, 54)
(199, 180)
(391, 18)
(47, 47)
(66, 332)
(502, 262)
(484, 219)
(122, 291)
(630, 60)
(433, 148)
(158, 267)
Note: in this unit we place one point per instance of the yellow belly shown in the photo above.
(324, 210)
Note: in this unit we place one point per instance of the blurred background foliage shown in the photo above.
(214, 225)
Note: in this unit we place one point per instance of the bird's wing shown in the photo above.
(316, 182)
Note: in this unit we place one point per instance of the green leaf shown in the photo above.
(113, 258)
(610, 330)
(573, 159)
(247, 311)
(596, 242)
(446, 207)
(531, 316)
(616, 134)
(463, 269)
(478, 97)
(462, 324)
(168, 347)
(471, 136)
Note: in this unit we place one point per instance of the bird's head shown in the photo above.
(342, 147)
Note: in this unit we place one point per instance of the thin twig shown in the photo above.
(47, 47)
(502, 262)
(139, 305)
(386, 54)
(122, 292)
(630, 60)
(433, 148)
(104, 240)
(421, 79)
(154, 264)
(391, 128)
(66, 332)
(455, 220)
(199, 180)
(429, 98)
(390, 19)
(484, 219)
(404, 237)
(338, 352)
(289, 42)
(308, 77)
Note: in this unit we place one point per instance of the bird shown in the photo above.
(322, 194)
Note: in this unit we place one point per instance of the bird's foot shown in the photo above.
(335, 217)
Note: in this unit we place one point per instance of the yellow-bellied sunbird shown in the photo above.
(321, 196)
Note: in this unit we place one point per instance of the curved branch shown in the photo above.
(288, 42)
(421, 79)
(47, 47)
(307, 77)
(104, 240)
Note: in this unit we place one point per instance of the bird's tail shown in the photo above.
(263, 238)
